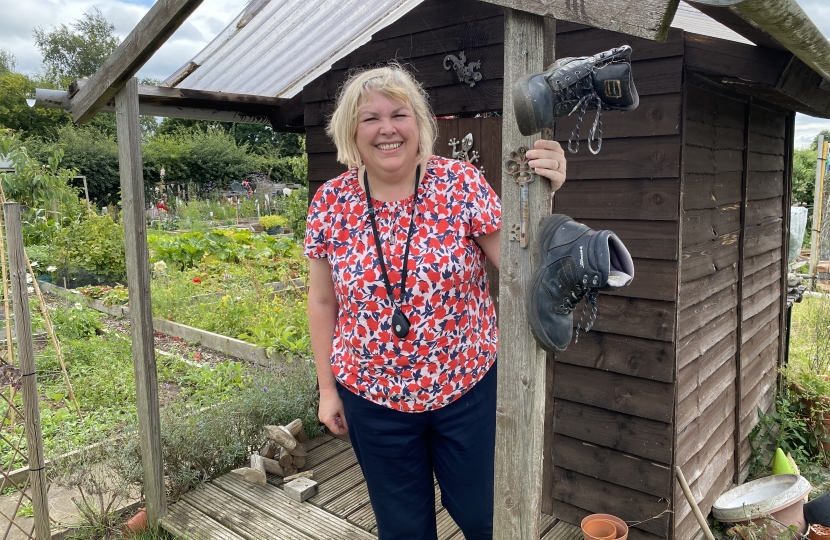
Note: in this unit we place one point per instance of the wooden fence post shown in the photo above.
(520, 428)
(26, 356)
(138, 282)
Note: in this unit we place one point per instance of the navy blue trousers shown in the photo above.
(399, 451)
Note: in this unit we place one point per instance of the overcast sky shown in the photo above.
(21, 16)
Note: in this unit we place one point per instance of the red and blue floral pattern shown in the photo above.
(453, 338)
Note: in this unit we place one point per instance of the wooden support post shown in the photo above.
(521, 386)
(26, 356)
(141, 316)
(86, 194)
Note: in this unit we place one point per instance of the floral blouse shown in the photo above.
(453, 336)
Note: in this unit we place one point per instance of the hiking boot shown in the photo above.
(602, 81)
(578, 262)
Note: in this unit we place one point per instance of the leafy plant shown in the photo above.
(76, 323)
(272, 221)
(94, 243)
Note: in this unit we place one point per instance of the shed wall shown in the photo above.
(732, 199)
(614, 389)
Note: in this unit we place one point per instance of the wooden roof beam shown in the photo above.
(200, 99)
(649, 19)
(151, 32)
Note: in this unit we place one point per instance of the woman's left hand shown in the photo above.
(547, 158)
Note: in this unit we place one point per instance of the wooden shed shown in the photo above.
(696, 182)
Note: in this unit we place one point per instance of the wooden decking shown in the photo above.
(231, 509)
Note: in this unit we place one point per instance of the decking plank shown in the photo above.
(364, 516)
(447, 528)
(240, 517)
(349, 502)
(303, 516)
(563, 531)
(338, 485)
(318, 453)
(189, 523)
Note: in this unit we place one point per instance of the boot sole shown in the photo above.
(549, 226)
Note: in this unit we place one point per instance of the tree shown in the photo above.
(261, 139)
(7, 61)
(76, 51)
(814, 144)
(16, 114)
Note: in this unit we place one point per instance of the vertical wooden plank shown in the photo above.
(740, 307)
(520, 412)
(141, 316)
(26, 356)
(783, 346)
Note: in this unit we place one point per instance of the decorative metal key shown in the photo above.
(517, 167)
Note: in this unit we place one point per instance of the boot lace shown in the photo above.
(583, 91)
(591, 298)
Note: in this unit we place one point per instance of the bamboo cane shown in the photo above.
(9, 345)
(695, 509)
(48, 320)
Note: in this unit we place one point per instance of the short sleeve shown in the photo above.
(316, 227)
(484, 207)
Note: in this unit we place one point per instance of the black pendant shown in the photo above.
(400, 324)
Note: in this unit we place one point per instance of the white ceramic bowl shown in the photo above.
(760, 497)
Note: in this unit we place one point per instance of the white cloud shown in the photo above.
(22, 16)
(806, 129)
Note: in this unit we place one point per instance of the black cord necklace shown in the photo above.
(400, 324)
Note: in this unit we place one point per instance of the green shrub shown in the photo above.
(272, 221)
(93, 243)
(76, 323)
(296, 210)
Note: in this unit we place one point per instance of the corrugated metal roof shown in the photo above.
(288, 44)
(275, 47)
(691, 20)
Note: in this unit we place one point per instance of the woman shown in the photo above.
(402, 327)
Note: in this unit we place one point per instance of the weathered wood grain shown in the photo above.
(641, 437)
(650, 21)
(433, 15)
(18, 273)
(656, 115)
(643, 239)
(143, 41)
(697, 372)
(763, 238)
(756, 368)
(612, 466)
(186, 521)
(698, 315)
(629, 505)
(138, 280)
(615, 392)
(714, 480)
(706, 54)
(758, 212)
(708, 135)
(760, 279)
(759, 322)
(764, 185)
(654, 279)
(704, 105)
(697, 343)
(767, 142)
(757, 262)
(707, 258)
(272, 501)
(639, 157)
(765, 162)
(760, 300)
(711, 191)
(627, 355)
(520, 406)
(695, 291)
(768, 119)
(704, 393)
(651, 319)
(590, 40)
(635, 199)
(705, 225)
(704, 160)
(693, 437)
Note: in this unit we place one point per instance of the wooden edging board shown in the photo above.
(217, 342)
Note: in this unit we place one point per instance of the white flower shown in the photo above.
(79, 306)
(286, 191)
(160, 266)
(30, 289)
(51, 268)
(34, 263)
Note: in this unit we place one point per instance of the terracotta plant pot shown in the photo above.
(818, 532)
(136, 524)
(621, 529)
(599, 529)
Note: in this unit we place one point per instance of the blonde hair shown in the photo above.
(392, 81)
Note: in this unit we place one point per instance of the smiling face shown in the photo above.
(387, 137)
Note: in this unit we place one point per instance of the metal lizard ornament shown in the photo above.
(464, 154)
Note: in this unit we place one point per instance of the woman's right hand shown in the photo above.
(331, 412)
